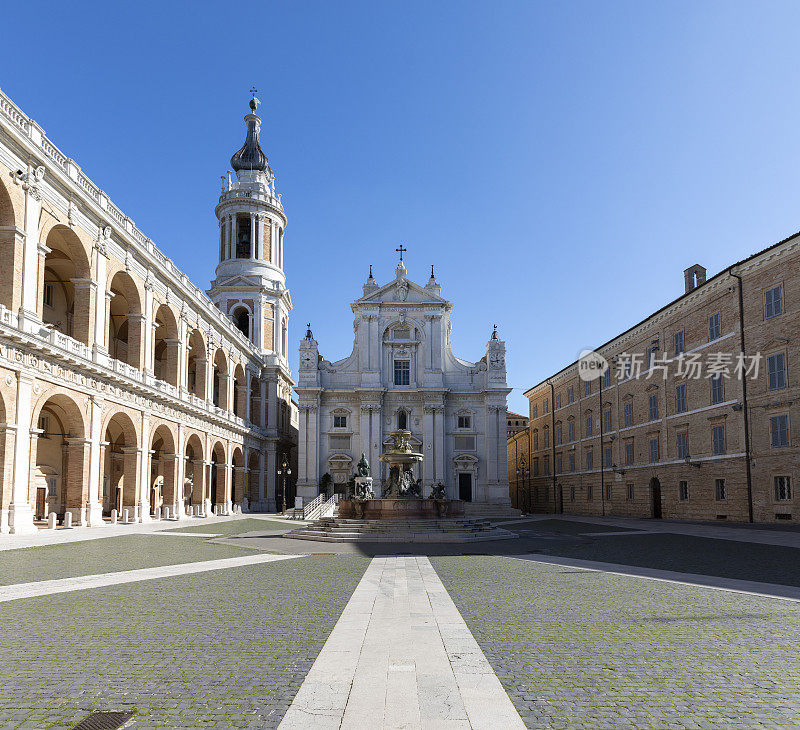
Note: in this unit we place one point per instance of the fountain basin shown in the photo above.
(399, 509)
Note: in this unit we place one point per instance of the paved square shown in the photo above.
(352, 637)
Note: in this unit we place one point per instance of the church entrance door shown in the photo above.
(465, 487)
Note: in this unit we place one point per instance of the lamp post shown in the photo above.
(284, 471)
(523, 472)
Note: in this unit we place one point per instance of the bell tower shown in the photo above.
(250, 286)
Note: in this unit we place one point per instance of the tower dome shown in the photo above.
(251, 156)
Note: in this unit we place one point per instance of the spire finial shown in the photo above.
(433, 276)
(254, 102)
(494, 333)
(309, 336)
(402, 250)
(370, 271)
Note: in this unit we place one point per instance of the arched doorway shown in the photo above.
(162, 470)
(221, 376)
(59, 481)
(65, 293)
(241, 318)
(166, 346)
(219, 497)
(194, 475)
(655, 494)
(239, 392)
(237, 462)
(121, 468)
(196, 365)
(125, 321)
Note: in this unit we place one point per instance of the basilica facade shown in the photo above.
(402, 374)
(124, 388)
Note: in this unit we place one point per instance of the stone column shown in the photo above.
(20, 512)
(77, 479)
(9, 433)
(42, 262)
(99, 350)
(104, 336)
(30, 257)
(440, 471)
(137, 337)
(263, 502)
(272, 476)
(94, 499)
(82, 319)
(428, 448)
(180, 471)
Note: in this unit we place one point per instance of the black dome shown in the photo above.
(250, 156)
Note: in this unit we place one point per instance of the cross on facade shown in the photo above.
(402, 250)
(253, 91)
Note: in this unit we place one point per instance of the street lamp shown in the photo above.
(524, 473)
(284, 471)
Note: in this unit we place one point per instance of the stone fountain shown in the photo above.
(401, 496)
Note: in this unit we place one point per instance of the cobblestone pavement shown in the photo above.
(237, 527)
(578, 649)
(107, 556)
(688, 554)
(227, 649)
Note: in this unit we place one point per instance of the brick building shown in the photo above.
(123, 387)
(670, 428)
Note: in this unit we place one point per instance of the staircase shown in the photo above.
(334, 529)
(490, 511)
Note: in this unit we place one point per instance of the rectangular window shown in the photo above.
(402, 372)
(630, 492)
(680, 398)
(535, 410)
(607, 456)
(558, 400)
(608, 492)
(713, 327)
(572, 494)
(588, 425)
(607, 421)
(536, 441)
(628, 414)
(683, 491)
(547, 438)
(589, 493)
(677, 340)
(546, 408)
(717, 389)
(464, 422)
(572, 461)
(776, 369)
(558, 464)
(589, 459)
(571, 428)
(340, 421)
(536, 467)
(558, 434)
(779, 430)
(773, 303)
(719, 489)
(547, 465)
(653, 450)
(653, 412)
(683, 445)
(629, 454)
(464, 443)
(651, 355)
(588, 387)
(783, 489)
(48, 295)
(718, 439)
(607, 378)
(570, 395)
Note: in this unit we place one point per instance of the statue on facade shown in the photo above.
(438, 491)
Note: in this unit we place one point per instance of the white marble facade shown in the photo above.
(402, 373)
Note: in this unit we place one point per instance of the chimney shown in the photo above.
(693, 277)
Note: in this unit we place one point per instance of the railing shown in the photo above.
(310, 509)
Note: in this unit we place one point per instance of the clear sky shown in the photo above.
(559, 163)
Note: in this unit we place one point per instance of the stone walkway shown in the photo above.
(401, 656)
(80, 583)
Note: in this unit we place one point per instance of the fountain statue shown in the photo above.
(400, 460)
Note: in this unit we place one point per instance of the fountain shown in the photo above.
(401, 496)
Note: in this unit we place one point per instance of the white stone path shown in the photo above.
(401, 656)
(83, 582)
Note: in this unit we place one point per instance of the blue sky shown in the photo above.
(559, 163)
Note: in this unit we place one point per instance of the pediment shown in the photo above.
(237, 281)
(402, 291)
